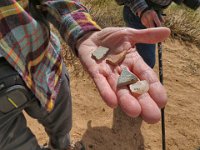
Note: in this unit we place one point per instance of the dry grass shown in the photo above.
(184, 23)
(105, 12)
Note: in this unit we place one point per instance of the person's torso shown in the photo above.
(26, 45)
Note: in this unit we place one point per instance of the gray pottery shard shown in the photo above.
(139, 87)
(100, 52)
(126, 78)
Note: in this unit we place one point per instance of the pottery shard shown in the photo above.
(126, 78)
(100, 52)
(116, 59)
(139, 87)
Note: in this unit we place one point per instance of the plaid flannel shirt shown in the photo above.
(137, 6)
(27, 46)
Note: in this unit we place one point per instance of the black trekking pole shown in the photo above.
(160, 65)
(161, 80)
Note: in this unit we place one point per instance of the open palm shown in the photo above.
(105, 75)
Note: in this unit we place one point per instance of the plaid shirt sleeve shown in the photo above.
(71, 19)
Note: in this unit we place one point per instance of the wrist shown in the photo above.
(83, 38)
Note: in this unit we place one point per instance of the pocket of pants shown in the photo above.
(12, 98)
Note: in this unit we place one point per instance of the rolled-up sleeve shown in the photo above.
(70, 17)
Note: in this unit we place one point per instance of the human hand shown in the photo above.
(151, 19)
(105, 76)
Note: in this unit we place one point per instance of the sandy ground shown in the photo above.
(101, 128)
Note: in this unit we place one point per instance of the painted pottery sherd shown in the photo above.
(126, 78)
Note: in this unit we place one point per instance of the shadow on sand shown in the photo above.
(125, 134)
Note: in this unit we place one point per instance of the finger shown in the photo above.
(151, 23)
(112, 79)
(162, 19)
(156, 90)
(157, 21)
(117, 35)
(144, 72)
(128, 103)
(106, 91)
(145, 22)
(150, 111)
(150, 35)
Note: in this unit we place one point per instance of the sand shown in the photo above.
(101, 128)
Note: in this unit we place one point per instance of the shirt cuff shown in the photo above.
(137, 7)
(75, 26)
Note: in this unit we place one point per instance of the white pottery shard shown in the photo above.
(100, 52)
(126, 78)
(139, 87)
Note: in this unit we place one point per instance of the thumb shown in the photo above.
(150, 35)
(115, 36)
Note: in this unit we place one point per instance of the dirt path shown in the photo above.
(101, 129)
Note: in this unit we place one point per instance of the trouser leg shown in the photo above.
(14, 133)
(57, 123)
(146, 51)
